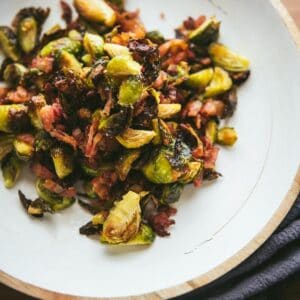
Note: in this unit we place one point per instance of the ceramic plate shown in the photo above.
(217, 226)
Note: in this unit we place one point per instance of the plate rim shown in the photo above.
(222, 268)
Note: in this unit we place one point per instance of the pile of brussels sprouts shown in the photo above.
(125, 114)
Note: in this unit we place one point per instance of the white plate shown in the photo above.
(213, 223)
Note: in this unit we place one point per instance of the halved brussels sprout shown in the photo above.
(206, 33)
(194, 169)
(69, 62)
(227, 136)
(14, 73)
(63, 162)
(93, 44)
(130, 91)
(123, 221)
(123, 66)
(159, 170)
(227, 59)
(8, 43)
(211, 130)
(132, 138)
(155, 37)
(96, 11)
(145, 236)
(166, 111)
(27, 34)
(125, 162)
(64, 43)
(11, 167)
(55, 201)
(116, 50)
(116, 123)
(171, 193)
(13, 117)
(201, 79)
(24, 146)
(220, 83)
(75, 35)
(6, 144)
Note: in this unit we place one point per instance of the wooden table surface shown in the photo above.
(289, 290)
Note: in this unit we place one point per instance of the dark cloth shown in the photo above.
(276, 260)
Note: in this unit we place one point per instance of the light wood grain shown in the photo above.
(220, 270)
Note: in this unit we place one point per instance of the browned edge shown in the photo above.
(220, 270)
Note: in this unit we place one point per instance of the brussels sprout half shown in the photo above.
(130, 91)
(11, 167)
(14, 74)
(123, 221)
(55, 201)
(227, 59)
(125, 162)
(63, 161)
(6, 144)
(64, 43)
(133, 138)
(220, 83)
(123, 66)
(200, 80)
(96, 11)
(227, 136)
(8, 43)
(93, 44)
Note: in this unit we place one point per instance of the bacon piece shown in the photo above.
(49, 114)
(212, 108)
(103, 183)
(26, 138)
(210, 154)
(3, 92)
(161, 221)
(58, 189)
(64, 137)
(20, 95)
(192, 109)
(44, 64)
(41, 171)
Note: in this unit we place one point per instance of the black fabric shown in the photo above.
(276, 260)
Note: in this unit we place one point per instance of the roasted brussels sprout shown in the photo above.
(68, 62)
(206, 33)
(132, 138)
(14, 73)
(8, 43)
(194, 168)
(96, 11)
(201, 79)
(155, 125)
(87, 59)
(35, 208)
(171, 193)
(13, 117)
(64, 43)
(27, 34)
(155, 36)
(123, 221)
(28, 23)
(211, 130)
(159, 169)
(167, 111)
(227, 136)
(116, 50)
(90, 229)
(24, 146)
(220, 83)
(6, 144)
(116, 123)
(55, 201)
(11, 167)
(227, 59)
(125, 162)
(130, 92)
(123, 66)
(93, 44)
(63, 161)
